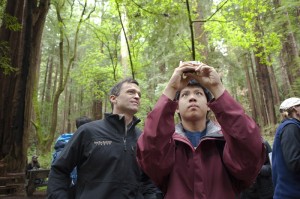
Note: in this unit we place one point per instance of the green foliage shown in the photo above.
(5, 61)
(11, 22)
(241, 24)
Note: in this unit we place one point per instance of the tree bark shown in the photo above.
(267, 94)
(250, 89)
(17, 88)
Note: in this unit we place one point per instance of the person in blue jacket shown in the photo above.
(286, 152)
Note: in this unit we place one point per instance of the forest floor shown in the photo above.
(39, 194)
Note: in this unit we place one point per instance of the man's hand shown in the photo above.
(206, 75)
(180, 78)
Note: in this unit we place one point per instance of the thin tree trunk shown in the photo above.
(286, 85)
(49, 82)
(127, 41)
(274, 85)
(250, 88)
(45, 80)
(257, 92)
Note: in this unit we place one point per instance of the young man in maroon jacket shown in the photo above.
(197, 158)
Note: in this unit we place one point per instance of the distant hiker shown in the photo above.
(34, 163)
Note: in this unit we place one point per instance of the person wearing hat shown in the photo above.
(286, 152)
(198, 158)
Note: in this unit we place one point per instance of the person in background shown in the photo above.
(60, 144)
(34, 163)
(104, 152)
(263, 185)
(197, 158)
(286, 152)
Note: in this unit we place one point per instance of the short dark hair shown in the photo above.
(82, 120)
(194, 83)
(116, 89)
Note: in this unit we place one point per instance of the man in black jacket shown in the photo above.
(104, 152)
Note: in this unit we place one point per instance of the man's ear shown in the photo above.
(113, 99)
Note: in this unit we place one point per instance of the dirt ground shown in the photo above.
(22, 195)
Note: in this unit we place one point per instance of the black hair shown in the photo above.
(116, 89)
(82, 120)
(194, 83)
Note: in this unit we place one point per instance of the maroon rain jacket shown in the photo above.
(227, 160)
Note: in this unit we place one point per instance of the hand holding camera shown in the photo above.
(206, 75)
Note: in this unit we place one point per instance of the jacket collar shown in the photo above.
(212, 130)
(117, 118)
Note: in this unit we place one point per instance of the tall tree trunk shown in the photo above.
(17, 88)
(292, 51)
(261, 119)
(265, 86)
(97, 109)
(286, 84)
(250, 88)
(200, 34)
(289, 55)
(123, 22)
(274, 85)
(193, 55)
(49, 82)
(44, 82)
(69, 108)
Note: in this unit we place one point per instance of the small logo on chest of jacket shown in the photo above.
(103, 142)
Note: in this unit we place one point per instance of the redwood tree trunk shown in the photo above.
(17, 88)
(267, 95)
(250, 88)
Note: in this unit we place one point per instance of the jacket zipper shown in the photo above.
(124, 141)
(124, 138)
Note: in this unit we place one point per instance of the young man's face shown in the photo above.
(128, 101)
(192, 104)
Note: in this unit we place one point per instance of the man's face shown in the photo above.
(128, 101)
(192, 104)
